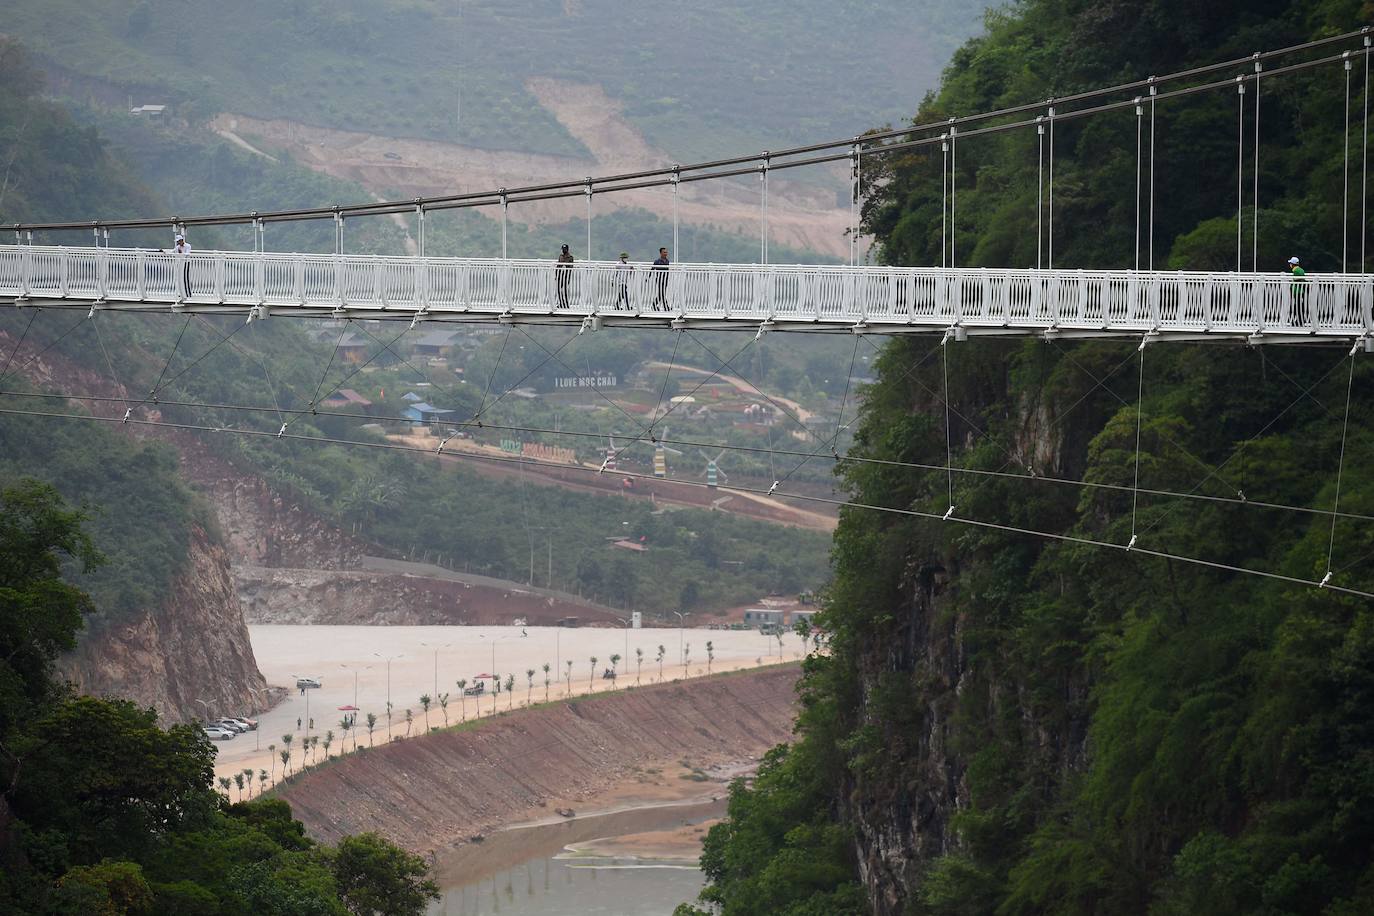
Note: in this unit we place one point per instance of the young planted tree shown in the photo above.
(803, 629)
(286, 743)
(567, 677)
(272, 756)
(248, 778)
(780, 635)
(462, 683)
(410, 720)
(639, 662)
(345, 726)
(662, 651)
(238, 781)
(224, 784)
(285, 762)
(314, 743)
(495, 691)
(591, 678)
(388, 720)
(686, 659)
(615, 660)
(329, 736)
(371, 724)
(710, 655)
(443, 707)
(510, 691)
(546, 682)
(262, 781)
(529, 677)
(425, 701)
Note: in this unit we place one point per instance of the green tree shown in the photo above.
(377, 878)
(425, 701)
(639, 662)
(510, 691)
(710, 655)
(529, 684)
(371, 724)
(591, 675)
(443, 707)
(546, 681)
(615, 660)
(40, 614)
(463, 697)
(662, 651)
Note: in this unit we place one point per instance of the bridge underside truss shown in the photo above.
(1223, 307)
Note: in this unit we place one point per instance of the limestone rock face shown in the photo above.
(181, 657)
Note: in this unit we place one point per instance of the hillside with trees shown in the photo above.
(697, 79)
(1011, 724)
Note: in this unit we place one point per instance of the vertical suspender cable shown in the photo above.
(1153, 92)
(1240, 163)
(854, 209)
(1050, 220)
(1139, 130)
(1254, 217)
(1340, 467)
(763, 238)
(953, 171)
(505, 205)
(1139, 404)
(675, 184)
(589, 219)
(949, 460)
(1364, 166)
(944, 197)
(420, 229)
(1345, 171)
(1039, 194)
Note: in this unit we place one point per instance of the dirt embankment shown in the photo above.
(440, 790)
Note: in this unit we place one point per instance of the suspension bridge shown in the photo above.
(1240, 306)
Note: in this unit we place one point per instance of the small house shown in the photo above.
(436, 343)
(346, 397)
(423, 414)
(351, 348)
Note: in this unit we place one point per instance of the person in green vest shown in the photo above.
(1299, 290)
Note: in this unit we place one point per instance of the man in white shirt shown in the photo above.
(183, 248)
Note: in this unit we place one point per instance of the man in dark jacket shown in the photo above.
(564, 272)
(661, 265)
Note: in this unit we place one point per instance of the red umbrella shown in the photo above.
(480, 676)
(348, 709)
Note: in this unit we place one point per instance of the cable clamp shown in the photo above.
(679, 323)
(604, 461)
(773, 488)
(1132, 542)
(859, 327)
(419, 316)
(440, 449)
(948, 512)
(1240, 494)
(128, 412)
(1149, 338)
(281, 432)
(1325, 579)
(764, 328)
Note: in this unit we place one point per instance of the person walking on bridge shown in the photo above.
(623, 270)
(183, 249)
(661, 265)
(564, 271)
(1299, 291)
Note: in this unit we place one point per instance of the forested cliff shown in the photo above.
(1037, 724)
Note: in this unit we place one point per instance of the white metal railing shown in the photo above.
(1086, 301)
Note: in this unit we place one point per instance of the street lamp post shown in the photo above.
(681, 624)
(430, 645)
(389, 659)
(207, 710)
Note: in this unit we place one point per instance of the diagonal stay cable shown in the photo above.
(1240, 448)
(1340, 466)
(727, 364)
(839, 422)
(22, 337)
(748, 381)
(486, 392)
(1068, 538)
(329, 364)
(54, 342)
(749, 449)
(176, 345)
(667, 374)
(109, 364)
(1210, 471)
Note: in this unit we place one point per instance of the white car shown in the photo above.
(244, 725)
(215, 733)
(229, 725)
(307, 682)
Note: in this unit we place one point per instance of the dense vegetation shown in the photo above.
(700, 79)
(1017, 725)
(104, 812)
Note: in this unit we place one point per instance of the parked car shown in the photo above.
(229, 725)
(248, 724)
(214, 733)
(304, 682)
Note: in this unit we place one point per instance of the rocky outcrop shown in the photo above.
(434, 791)
(185, 657)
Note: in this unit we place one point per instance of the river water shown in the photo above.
(538, 870)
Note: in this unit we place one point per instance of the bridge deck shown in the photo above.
(1069, 303)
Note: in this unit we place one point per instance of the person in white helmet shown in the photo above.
(1299, 290)
(183, 248)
